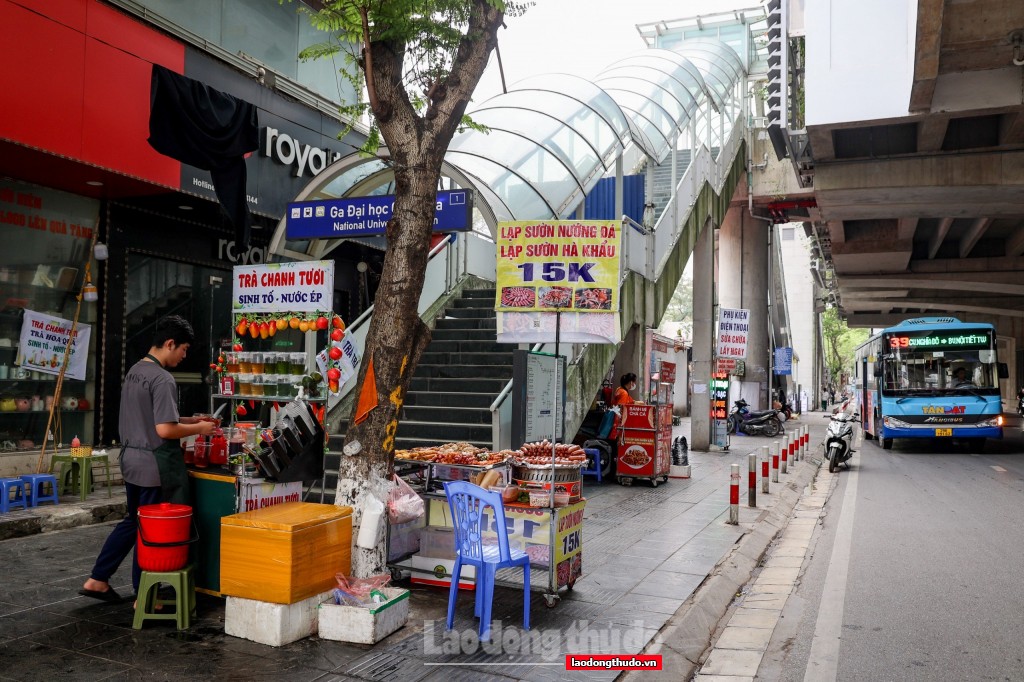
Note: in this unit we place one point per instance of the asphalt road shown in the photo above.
(923, 548)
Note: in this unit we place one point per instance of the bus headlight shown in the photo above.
(994, 421)
(894, 423)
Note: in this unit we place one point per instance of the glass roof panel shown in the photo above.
(581, 90)
(651, 113)
(546, 131)
(587, 122)
(548, 174)
(340, 185)
(522, 199)
(668, 87)
(651, 91)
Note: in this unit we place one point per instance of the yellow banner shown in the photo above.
(568, 265)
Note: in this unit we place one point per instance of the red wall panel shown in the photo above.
(41, 83)
(77, 84)
(116, 116)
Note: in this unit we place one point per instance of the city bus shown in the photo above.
(931, 377)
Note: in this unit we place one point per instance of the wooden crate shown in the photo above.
(285, 553)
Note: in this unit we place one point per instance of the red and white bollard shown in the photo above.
(765, 465)
(752, 480)
(787, 448)
(807, 442)
(734, 495)
(775, 462)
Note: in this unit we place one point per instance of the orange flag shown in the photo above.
(368, 395)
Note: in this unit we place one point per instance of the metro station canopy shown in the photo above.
(552, 137)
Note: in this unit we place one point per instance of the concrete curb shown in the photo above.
(46, 518)
(687, 635)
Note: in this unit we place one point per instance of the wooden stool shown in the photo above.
(184, 598)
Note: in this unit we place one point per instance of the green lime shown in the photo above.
(316, 376)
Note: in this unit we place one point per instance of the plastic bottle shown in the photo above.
(75, 443)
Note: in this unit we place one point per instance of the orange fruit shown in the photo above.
(303, 326)
(281, 324)
(254, 330)
(293, 323)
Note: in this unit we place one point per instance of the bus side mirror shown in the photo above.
(1003, 370)
(878, 371)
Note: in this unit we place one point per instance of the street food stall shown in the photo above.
(273, 379)
(645, 437)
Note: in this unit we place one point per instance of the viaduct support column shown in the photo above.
(703, 336)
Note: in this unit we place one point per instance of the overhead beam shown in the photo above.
(935, 242)
(931, 131)
(1015, 244)
(974, 233)
(836, 231)
(1007, 283)
(942, 306)
(1011, 128)
(927, 51)
(906, 228)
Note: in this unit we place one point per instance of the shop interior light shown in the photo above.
(185, 207)
(94, 183)
(100, 251)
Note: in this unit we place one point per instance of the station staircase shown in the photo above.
(461, 372)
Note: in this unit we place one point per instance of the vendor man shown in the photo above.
(152, 463)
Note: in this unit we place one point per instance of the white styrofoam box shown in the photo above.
(679, 471)
(342, 623)
(435, 571)
(272, 624)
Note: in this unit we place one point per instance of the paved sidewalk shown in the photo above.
(649, 554)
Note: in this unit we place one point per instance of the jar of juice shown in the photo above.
(282, 363)
(190, 453)
(258, 360)
(297, 362)
(218, 454)
(244, 362)
(285, 386)
(244, 384)
(233, 364)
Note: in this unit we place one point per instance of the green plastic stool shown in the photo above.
(184, 601)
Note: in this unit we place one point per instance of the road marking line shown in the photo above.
(823, 662)
(998, 468)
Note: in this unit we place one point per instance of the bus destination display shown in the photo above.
(948, 340)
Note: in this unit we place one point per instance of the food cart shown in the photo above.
(551, 536)
(645, 437)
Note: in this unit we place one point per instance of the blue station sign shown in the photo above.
(367, 216)
(784, 360)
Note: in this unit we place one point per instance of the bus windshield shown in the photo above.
(933, 363)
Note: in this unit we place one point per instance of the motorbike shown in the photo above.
(785, 410)
(839, 438)
(761, 423)
(1020, 404)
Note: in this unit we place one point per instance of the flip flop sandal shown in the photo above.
(108, 595)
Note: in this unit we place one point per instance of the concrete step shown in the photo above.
(503, 372)
(446, 346)
(441, 358)
(470, 313)
(456, 334)
(439, 414)
(70, 513)
(467, 323)
(447, 385)
(465, 399)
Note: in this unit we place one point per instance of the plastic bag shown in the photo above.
(404, 504)
(357, 591)
(607, 424)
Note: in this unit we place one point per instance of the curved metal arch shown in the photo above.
(622, 87)
(641, 117)
(559, 155)
(525, 181)
(679, 64)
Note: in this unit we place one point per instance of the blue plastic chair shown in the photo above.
(594, 462)
(467, 503)
(35, 483)
(20, 499)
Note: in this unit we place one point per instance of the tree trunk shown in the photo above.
(397, 336)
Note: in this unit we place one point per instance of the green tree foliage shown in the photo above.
(840, 343)
(680, 308)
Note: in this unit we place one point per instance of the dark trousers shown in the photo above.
(122, 538)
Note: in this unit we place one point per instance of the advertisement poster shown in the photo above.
(303, 286)
(784, 361)
(44, 340)
(733, 325)
(571, 266)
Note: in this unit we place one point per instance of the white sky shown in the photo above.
(582, 37)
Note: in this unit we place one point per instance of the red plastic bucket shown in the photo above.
(164, 535)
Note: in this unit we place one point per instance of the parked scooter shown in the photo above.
(785, 409)
(1020, 402)
(839, 438)
(761, 423)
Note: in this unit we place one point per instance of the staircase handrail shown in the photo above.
(498, 403)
